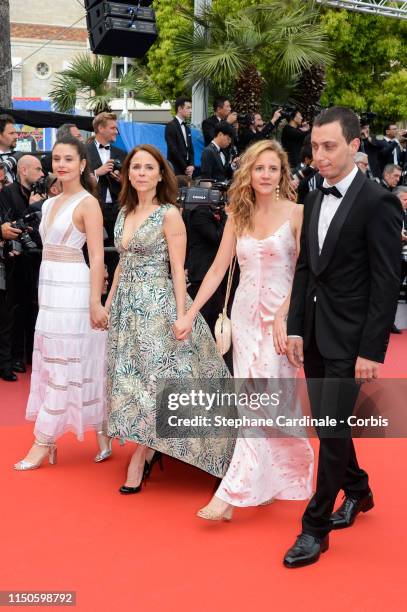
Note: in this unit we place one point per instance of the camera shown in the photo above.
(287, 111)
(117, 165)
(24, 238)
(9, 163)
(40, 187)
(367, 117)
(245, 120)
(214, 196)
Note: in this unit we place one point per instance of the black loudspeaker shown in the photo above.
(115, 9)
(122, 37)
(90, 3)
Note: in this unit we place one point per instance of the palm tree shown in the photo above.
(5, 54)
(87, 79)
(227, 52)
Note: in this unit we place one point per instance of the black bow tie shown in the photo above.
(330, 191)
(104, 147)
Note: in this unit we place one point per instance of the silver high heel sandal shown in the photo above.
(211, 515)
(106, 453)
(24, 465)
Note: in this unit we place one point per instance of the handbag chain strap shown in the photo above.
(229, 285)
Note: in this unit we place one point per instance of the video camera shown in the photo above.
(214, 196)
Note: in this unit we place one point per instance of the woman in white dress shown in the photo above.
(67, 382)
(264, 230)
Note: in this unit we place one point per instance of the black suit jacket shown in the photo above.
(356, 277)
(208, 129)
(105, 182)
(386, 153)
(212, 166)
(179, 153)
(204, 237)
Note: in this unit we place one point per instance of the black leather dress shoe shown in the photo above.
(8, 375)
(348, 511)
(18, 366)
(395, 330)
(306, 550)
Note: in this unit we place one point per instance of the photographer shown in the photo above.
(3, 176)
(222, 111)
(391, 151)
(215, 163)
(371, 147)
(19, 298)
(292, 136)
(306, 175)
(8, 141)
(16, 197)
(253, 128)
(105, 161)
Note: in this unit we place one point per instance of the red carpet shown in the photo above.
(66, 528)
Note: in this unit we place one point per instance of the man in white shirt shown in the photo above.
(343, 302)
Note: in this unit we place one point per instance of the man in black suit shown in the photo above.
(222, 111)
(391, 176)
(102, 155)
(215, 163)
(343, 302)
(390, 151)
(180, 151)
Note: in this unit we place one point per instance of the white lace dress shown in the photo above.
(68, 373)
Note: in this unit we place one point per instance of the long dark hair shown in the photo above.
(87, 180)
(167, 189)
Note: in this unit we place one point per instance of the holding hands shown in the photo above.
(99, 317)
(183, 326)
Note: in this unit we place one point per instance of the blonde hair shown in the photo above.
(242, 203)
(101, 120)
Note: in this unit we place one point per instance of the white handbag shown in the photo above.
(223, 327)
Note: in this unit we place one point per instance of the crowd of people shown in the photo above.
(318, 288)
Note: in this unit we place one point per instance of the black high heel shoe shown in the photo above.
(131, 490)
(156, 458)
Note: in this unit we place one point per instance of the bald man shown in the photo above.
(16, 197)
(17, 325)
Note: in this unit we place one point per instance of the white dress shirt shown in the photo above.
(183, 129)
(221, 153)
(104, 155)
(330, 205)
(395, 159)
